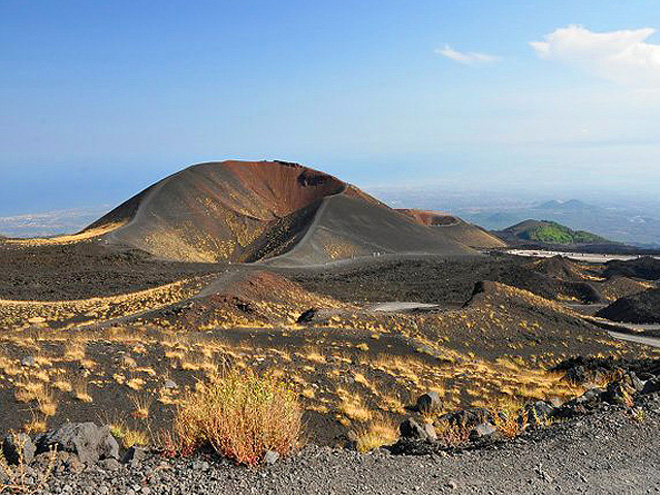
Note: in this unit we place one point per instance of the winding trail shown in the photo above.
(638, 339)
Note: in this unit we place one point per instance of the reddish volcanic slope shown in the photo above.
(250, 211)
(456, 228)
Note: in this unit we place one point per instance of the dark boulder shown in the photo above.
(582, 405)
(413, 430)
(307, 316)
(468, 418)
(410, 446)
(483, 430)
(651, 386)
(429, 402)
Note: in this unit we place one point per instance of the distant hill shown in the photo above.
(548, 232)
(625, 224)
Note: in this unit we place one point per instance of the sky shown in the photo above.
(100, 99)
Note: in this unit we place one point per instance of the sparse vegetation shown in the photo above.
(377, 433)
(241, 415)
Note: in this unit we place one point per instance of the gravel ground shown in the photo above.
(608, 452)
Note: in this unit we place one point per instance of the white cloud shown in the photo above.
(622, 56)
(467, 58)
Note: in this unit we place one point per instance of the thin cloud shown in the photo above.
(466, 58)
(622, 56)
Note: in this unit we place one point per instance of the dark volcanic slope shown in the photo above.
(639, 308)
(247, 211)
(647, 268)
(456, 228)
(84, 269)
(437, 280)
(346, 227)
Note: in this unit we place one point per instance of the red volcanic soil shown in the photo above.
(455, 228)
(251, 211)
(429, 217)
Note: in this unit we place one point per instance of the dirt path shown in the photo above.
(638, 339)
(398, 306)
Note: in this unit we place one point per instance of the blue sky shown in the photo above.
(100, 99)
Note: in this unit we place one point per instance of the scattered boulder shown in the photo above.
(411, 429)
(170, 384)
(651, 386)
(429, 402)
(271, 457)
(468, 418)
(587, 402)
(134, 455)
(411, 446)
(483, 430)
(307, 316)
(88, 441)
(18, 448)
(28, 362)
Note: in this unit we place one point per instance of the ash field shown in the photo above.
(410, 343)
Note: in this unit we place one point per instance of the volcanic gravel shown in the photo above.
(608, 452)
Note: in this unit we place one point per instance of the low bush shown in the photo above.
(241, 415)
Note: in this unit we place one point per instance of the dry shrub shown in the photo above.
(241, 415)
(510, 418)
(511, 425)
(450, 434)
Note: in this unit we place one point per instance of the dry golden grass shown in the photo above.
(314, 355)
(81, 390)
(241, 415)
(135, 383)
(128, 437)
(27, 390)
(128, 362)
(141, 406)
(37, 424)
(62, 385)
(47, 403)
(352, 406)
(75, 350)
(308, 392)
(379, 432)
